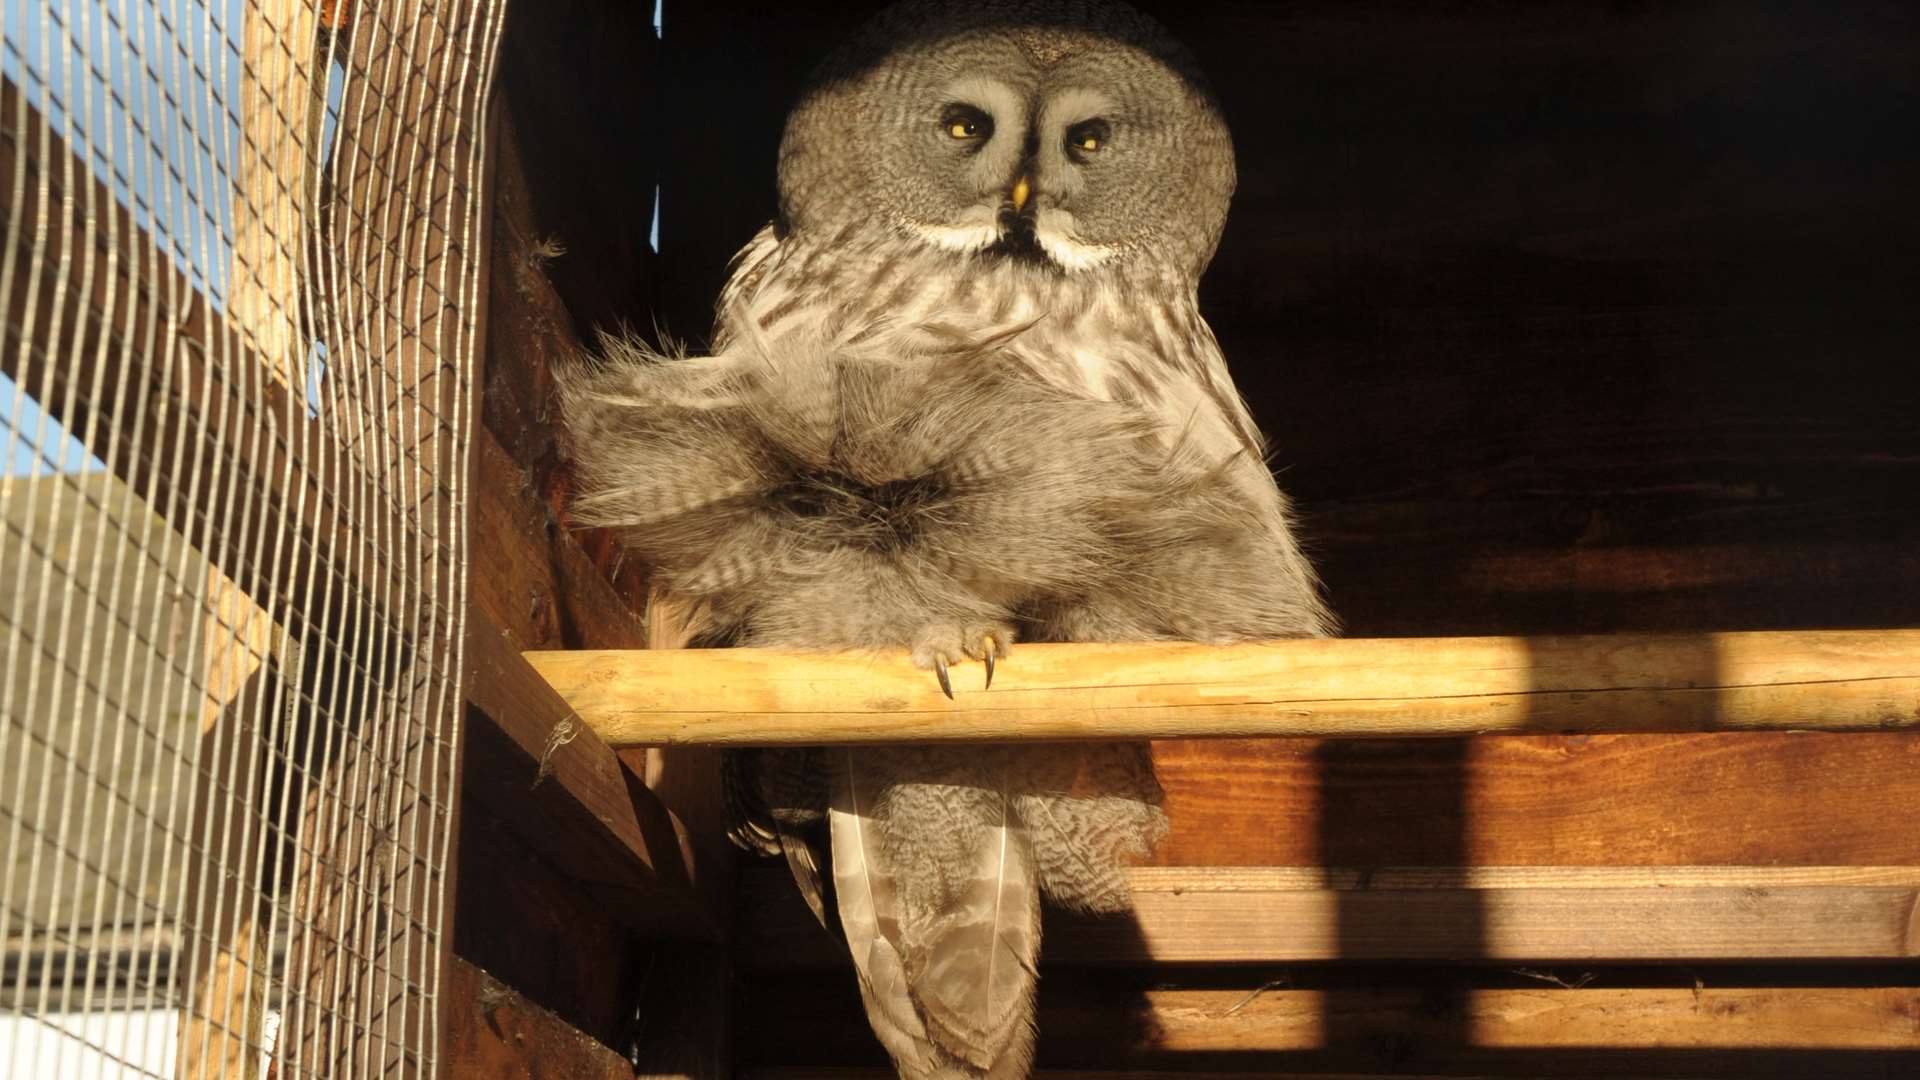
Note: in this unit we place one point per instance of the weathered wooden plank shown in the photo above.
(1268, 1019)
(1840, 680)
(1251, 1017)
(1659, 923)
(1207, 916)
(1723, 799)
(558, 783)
(496, 1032)
(1405, 1025)
(804, 1072)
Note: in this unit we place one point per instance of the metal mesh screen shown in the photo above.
(239, 278)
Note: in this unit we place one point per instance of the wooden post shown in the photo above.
(228, 959)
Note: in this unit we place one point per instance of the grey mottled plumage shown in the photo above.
(961, 393)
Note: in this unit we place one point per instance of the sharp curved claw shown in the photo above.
(940, 670)
(989, 664)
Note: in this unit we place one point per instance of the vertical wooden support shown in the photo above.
(225, 948)
(228, 953)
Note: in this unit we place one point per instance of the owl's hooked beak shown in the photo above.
(1017, 225)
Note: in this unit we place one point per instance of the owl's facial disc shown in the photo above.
(1075, 130)
(971, 133)
(1015, 214)
(1067, 134)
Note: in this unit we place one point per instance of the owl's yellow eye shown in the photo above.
(1087, 137)
(966, 123)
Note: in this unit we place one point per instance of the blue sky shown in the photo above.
(150, 88)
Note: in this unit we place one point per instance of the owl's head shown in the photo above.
(1070, 135)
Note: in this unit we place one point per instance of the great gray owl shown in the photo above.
(960, 394)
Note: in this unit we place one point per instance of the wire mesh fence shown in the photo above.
(239, 272)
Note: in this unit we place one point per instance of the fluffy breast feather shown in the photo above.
(777, 469)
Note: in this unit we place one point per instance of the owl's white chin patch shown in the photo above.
(977, 232)
(1054, 229)
(1072, 254)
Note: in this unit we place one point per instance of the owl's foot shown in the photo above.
(937, 646)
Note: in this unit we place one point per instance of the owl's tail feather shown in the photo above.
(972, 966)
(869, 916)
(946, 967)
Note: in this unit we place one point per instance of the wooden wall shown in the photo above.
(1562, 317)
(593, 887)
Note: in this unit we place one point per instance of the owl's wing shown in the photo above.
(1210, 374)
(744, 275)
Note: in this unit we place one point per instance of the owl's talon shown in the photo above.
(940, 671)
(989, 685)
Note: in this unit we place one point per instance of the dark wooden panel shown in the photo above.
(536, 929)
(720, 126)
(578, 81)
(569, 256)
(1581, 316)
(531, 577)
(571, 798)
(499, 1033)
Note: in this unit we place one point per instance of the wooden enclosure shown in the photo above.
(1563, 319)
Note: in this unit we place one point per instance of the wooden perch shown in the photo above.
(1851, 680)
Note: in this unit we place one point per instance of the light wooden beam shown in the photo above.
(1847, 680)
(1273, 1017)
(1210, 916)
